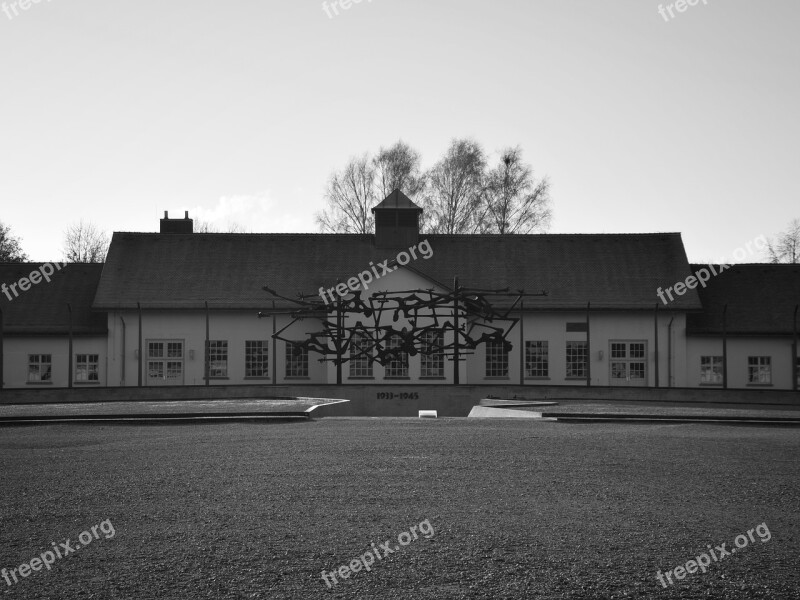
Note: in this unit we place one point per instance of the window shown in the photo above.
(432, 357)
(218, 358)
(711, 369)
(398, 365)
(536, 363)
(165, 361)
(577, 353)
(86, 368)
(360, 356)
(496, 359)
(628, 362)
(296, 360)
(759, 370)
(40, 368)
(256, 358)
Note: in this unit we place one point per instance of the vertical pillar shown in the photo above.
(725, 347)
(521, 343)
(1, 348)
(795, 370)
(339, 340)
(208, 349)
(655, 318)
(141, 350)
(588, 346)
(455, 332)
(69, 361)
(274, 346)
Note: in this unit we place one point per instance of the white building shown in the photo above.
(167, 297)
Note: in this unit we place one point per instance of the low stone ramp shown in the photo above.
(249, 409)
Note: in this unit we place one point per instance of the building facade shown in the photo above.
(181, 308)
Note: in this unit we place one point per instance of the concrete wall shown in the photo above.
(402, 400)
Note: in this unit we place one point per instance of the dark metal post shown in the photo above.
(274, 346)
(1, 348)
(208, 349)
(339, 335)
(69, 362)
(588, 346)
(795, 370)
(725, 347)
(139, 306)
(455, 333)
(655, 316)
(521, 343)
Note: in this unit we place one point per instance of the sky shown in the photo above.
(113, 112)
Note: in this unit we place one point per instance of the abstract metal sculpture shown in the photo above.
(371, 327)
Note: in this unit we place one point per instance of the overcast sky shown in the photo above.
(238, 110)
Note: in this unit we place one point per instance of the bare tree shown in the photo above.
(515, 201)
(10, 249)
(350, 195)
(398, 167)
(786, 249)
(455, 203)
(209, 227)
(84, 243)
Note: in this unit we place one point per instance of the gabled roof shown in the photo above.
(760, 297)
(612, 271)
(42, 309)
(397, 200)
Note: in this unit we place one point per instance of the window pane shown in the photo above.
(296, 360)
(536, 359)
(256, 358)
(360, 356)
(576, 359)
(496, 359)
(432, 357)
(218, 358)
(398, 364)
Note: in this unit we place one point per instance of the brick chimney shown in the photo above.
(184, 225)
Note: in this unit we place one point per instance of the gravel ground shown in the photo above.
(519, 509)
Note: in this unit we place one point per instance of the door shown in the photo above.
(165, 362)
(628, 363)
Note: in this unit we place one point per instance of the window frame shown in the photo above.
(217, 352)
(360, 363)
(537, 359)
(256, 354)
(757, 368)
(397, 367)
(496, 365)
(296, 366)
(79, 361)
(39, 364)
(432, 362)
(570, 354)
